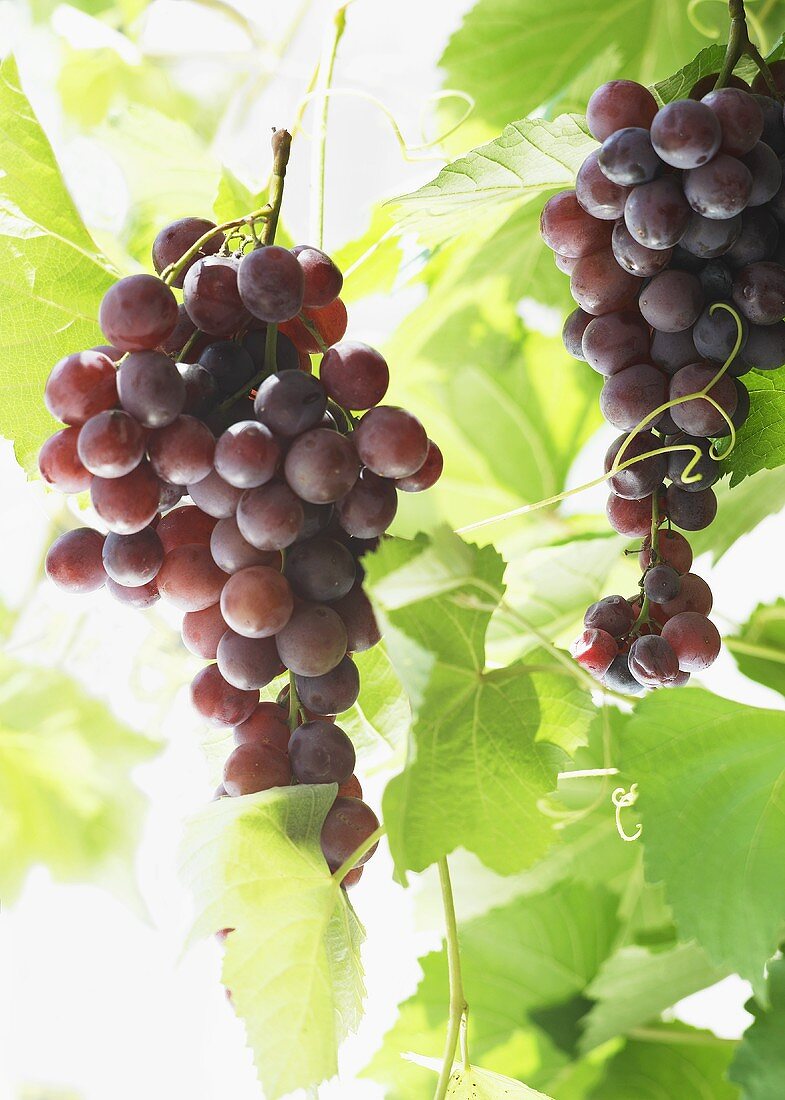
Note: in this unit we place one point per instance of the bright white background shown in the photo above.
(98, 998)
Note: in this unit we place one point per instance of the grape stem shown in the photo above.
(294, 704)
(350, 863)
(282, 143)
(458, 1017)
(739, 44)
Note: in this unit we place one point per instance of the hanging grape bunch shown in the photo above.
(672, 242)
(213, 401)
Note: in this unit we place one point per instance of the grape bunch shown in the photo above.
(674, 241)
(239, 487)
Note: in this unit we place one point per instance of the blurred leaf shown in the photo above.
(377, 254)
(740, 510)
(759, 647)
(233, 199)
(536, 951)
(712, 801)
(676, 1061)
(485, 744)
(513, 55)
(169, 171)
(292, 963)
(761, 442)
(52, 275)
(92, 82)
(638, 983)
(66, 799)
(759, 1065)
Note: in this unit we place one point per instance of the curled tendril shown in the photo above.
(406, 148)
(619, 464)
(711, 32)
(622, 800)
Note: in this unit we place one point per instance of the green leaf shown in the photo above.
(370, 262)
(481, 1084)
(711, 775)
(463, 374)
(759, 1065)
(234, 199)
(292, 962)
(551, 586)
(761, 442)
(536, 951)
(740, 510)
(530, 157)
(678, 86)
(677, 1062)
(485, 744)
(51, 274)
(379, 720)
(513, 55)
(67, 800)
(638, 983)
(759, 647)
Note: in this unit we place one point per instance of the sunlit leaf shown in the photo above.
(638, 983)
(51, 273)
(292, 962)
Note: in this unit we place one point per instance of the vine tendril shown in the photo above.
(622, 800)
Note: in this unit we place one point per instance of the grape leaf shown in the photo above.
(51, 273)
(379, 720)
(711, 775)
(740, 510)
(536, 951)
(759, 1065)
(759, 647)
(678, 1062)
(761, 442)
(65, 790)
(678, 85)
(485, 745)
(513, 55)
(480, 1084)
(638, 983)
(292, 962)
(530, 157)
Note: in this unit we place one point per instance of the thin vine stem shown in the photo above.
(350, 863)
(458, 1009)
(739, 45)
(319, 154)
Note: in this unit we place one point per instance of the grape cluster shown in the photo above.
(239, 487)
(674, 240)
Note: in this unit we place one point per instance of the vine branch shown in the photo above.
(319, 157)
